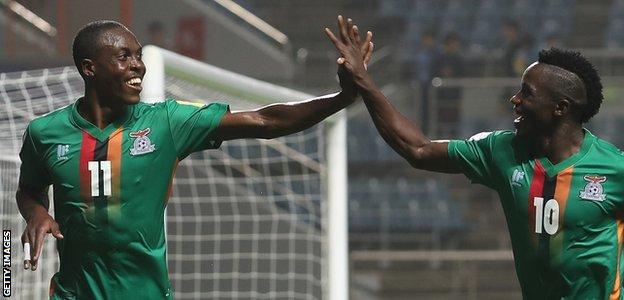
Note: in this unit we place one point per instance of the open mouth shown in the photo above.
(519, 117)
(134, 83)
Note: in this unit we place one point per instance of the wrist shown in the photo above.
(364, 83)
(348, 95)
(35, 211)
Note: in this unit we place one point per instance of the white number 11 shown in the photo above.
(95, 167)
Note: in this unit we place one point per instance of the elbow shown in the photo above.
(270, 129)
(416, 157)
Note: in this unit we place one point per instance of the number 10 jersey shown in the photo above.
(565, 219)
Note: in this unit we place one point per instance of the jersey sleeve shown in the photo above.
(475, 157)
(33, 173)
(192, 125)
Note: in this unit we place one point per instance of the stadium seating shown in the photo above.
(614, 35)
(480, 28)
(389, 205)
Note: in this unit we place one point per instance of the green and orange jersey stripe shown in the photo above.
(616, 292)
(557, 188)
(115, 141)
(95, 150)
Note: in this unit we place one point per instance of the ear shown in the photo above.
(562, 107)
(88, 68)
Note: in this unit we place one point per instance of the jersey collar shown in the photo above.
(100, 134)
(552, 170)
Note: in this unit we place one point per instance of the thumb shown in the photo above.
(56, 232)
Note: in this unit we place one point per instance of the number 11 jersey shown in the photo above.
(111, 187)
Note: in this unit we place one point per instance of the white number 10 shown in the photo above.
(95, 167)
(549, 217)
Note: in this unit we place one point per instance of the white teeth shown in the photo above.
(134, 81)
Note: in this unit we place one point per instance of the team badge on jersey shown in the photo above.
(142, 143)
(593, 190)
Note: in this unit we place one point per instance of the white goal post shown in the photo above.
(160, 63)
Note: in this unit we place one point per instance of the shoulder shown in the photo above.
(484, 142)
(40, 124)
(166, 105)
(142, 109)
(608, 149)
(495, 137)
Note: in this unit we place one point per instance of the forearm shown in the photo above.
(398, 131)
(287, 118)
(29, 205)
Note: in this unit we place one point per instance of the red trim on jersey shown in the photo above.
(537, 186)
(87, 150)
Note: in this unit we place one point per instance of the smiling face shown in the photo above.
(117, 70)
(534, 106)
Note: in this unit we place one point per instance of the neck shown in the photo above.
(98, 113)
(559, 144)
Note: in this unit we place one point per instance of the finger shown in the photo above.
(356, 33)
(38, 247)
(367, 42)
(56, 231)
(350, 29)
(32, 238)
(331, 36)
(26, 248)
(369, 53)
(343, 29)
(340, 60)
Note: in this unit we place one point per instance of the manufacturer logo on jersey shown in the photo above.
(517, 178)
(142, 143)
(593, 190)
(61, 152)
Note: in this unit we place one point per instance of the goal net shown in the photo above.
(246, 221)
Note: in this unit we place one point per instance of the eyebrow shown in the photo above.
(528, 86)
(130, 50)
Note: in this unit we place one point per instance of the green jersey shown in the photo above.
(565, 219)
(111, 187)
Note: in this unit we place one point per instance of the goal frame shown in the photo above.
(160, 62)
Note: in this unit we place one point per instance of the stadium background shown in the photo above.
(450, 65)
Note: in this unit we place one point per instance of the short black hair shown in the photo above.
(86, 41)
(574, 62)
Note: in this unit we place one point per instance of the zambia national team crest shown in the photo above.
(593, 190)
(142, 143)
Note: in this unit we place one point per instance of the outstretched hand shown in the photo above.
(355, 53)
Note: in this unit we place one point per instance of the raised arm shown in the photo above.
(405, 137)
(281, 119)
(33, 204)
